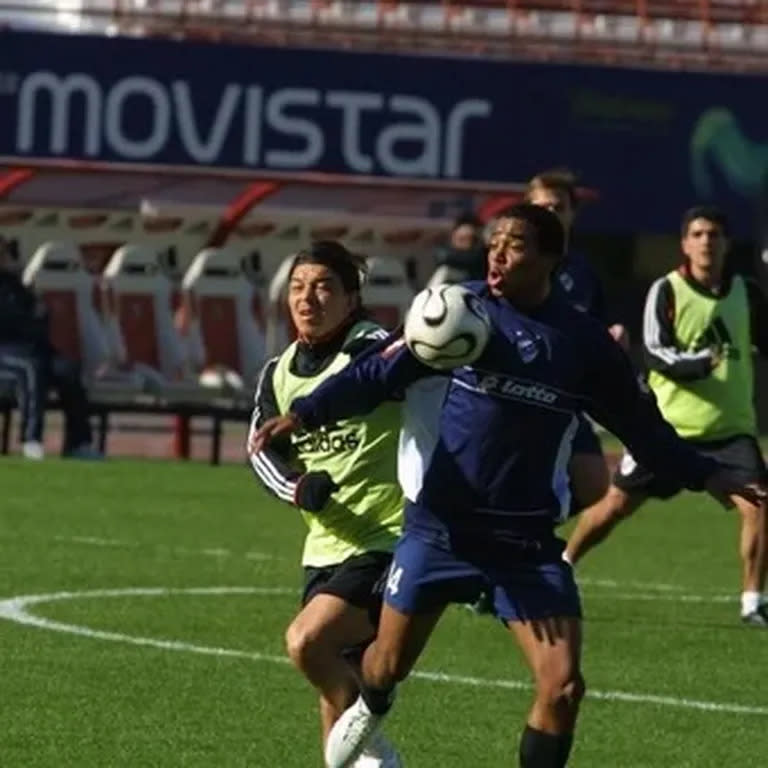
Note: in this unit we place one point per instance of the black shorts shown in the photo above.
(359, 580)
(741, 454)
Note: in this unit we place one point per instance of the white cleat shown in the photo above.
(33, 450)
(379, 753)
(351, 734)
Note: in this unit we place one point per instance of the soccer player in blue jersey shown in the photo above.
(577, 279)
(483, 462)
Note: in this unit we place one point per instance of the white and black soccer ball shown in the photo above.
(447, 327)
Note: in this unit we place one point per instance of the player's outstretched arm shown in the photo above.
(758, 314)
(382, 372)
(621, 402)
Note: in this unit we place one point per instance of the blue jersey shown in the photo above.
(484, 449)
(580, 284)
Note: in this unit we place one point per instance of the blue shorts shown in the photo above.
(424, 577)
(586, 440)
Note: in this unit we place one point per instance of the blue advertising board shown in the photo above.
(651, 142)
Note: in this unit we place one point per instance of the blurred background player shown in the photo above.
(556, 190)
(464, 256)
(30, 363)
(483, 497)
(700, 324)
(342, 477)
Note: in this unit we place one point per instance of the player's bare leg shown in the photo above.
(599, 520)
(387, 661)
(752, 549)
(315, 640)
(552, 648)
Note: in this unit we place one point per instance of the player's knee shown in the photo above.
(302, 644)
(562, 691)
(618, 504)
(574, 690)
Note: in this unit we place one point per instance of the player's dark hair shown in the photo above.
(346, 265)
(708, 212)
(550, 235)
(559, 179)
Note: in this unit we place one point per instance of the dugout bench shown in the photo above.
(184, 402)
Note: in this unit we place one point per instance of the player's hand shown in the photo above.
(313, 490)
(620, 335)
(727, 489)
(272, 428)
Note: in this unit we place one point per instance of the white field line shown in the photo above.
(93, 540)
(613, 584)
(15, 609)
(219, 552)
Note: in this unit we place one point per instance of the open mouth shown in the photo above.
(494, 278)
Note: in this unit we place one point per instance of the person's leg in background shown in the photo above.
(27, 372)
(66, 378)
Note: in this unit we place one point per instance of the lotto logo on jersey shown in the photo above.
(332, 439)
(517, 390)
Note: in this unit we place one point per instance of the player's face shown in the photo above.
(514, 263)
(464, 237)
(705, 245)
(556, 200)
(317, 301)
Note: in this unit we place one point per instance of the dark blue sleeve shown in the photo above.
(597, 305)
(621, 402)
(382, 372)
(758, 313)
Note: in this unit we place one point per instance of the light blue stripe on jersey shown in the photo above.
(561, 485)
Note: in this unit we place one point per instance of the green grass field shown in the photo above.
(190, 671)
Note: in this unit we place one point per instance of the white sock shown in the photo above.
(566, 558)
(749, 602)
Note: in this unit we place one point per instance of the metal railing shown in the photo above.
(730, 34)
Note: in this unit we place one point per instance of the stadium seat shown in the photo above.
(386, 292)
(445, 274)
(56, 274)
(139, 314)
(280, 330)
(223, 297)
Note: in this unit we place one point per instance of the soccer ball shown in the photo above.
(447, 327)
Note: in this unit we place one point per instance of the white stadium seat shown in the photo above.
(386, 293)
(56, 274)
(139, 313)
(223, 297)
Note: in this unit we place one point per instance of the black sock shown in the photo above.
(378, 700)
(544, 750)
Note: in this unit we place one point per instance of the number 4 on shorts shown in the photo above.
(393, 581)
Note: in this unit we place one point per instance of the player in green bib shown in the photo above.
(699, 329)
(342, 479)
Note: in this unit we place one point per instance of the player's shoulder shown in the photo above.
(362, 335)
(264, 380)
(480, 287)
(587, 331)
(563, 312)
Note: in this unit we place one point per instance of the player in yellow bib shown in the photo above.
(700, 325)
(342, 478)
